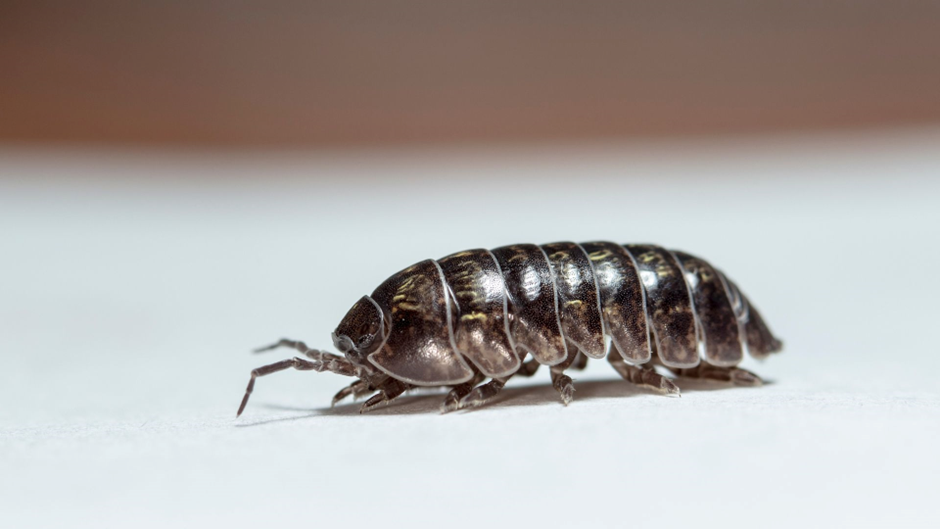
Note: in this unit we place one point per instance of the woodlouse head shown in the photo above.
(362, 330)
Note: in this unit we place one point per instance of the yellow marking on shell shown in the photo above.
(599, 255)
(574, 303)
(476, 316)
(664, 270)
(469, 294)
(399, 297)
(408, 306)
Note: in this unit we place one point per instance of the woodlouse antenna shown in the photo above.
(319, 361)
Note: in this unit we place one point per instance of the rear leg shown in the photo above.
(734, 375)
(644, 376)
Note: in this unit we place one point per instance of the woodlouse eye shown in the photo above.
(343, 343)
(365, 341)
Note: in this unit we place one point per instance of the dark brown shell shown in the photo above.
(439, 322)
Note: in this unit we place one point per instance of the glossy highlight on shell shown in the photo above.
(493, 314)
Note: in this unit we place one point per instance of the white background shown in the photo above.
(134, 283)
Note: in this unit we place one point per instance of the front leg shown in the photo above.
(356, 389)
(469, 395)
(389, 391)
(458, 392)
(483, 393)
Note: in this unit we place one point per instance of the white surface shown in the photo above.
(134, 283)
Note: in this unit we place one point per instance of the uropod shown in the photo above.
(474, 319)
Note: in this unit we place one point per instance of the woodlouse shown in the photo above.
(478, 314)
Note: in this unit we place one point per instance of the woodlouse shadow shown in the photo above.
(526, 395)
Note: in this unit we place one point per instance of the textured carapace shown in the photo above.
(478, 314)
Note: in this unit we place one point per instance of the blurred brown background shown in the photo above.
(312, 73)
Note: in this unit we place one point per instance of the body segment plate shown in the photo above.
(420, 346)
(760, 341)
(533, 303)
(714, 310)
(481, 326)
(669, 305)
(578, 304)
(623, 302)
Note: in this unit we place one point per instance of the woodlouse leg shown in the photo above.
(452, 400)
(734, 375)
(356, 389)
(392, 389)
(295, 363)
(467, 396)
(482, 393)
(580, 362)
(527, 369)
(644, 376)
(365, 390)
(563, 384)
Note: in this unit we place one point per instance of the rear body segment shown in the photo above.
(760, 341)
(719, 328)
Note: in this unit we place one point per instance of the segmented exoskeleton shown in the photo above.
(479, 314)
